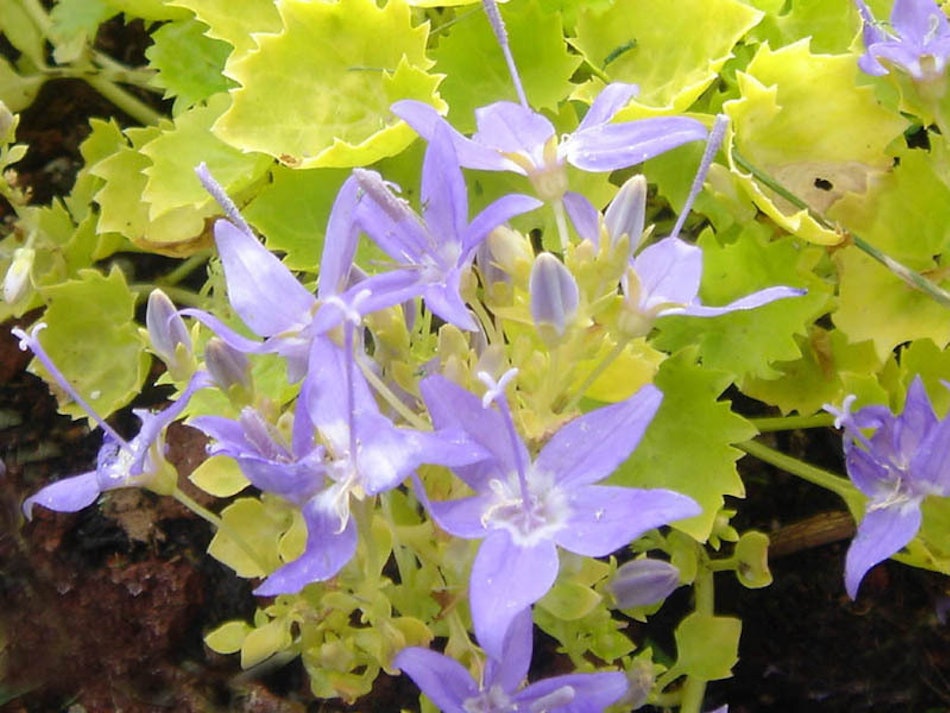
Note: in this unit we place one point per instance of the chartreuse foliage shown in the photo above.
(802, 118)
(689, 388)
(829, 180)
(100, 305)
(672, 53)
(333, 108)
(468, 56)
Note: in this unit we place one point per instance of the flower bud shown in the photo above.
(18, 281)
(8, 124)
(167, 332)
(554, 296)
(229, 368)
(640, 680)
(643, 582)
(634, 320)
(626, 214)
(488, 268)
(510, 251)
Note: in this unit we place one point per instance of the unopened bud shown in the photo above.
(8, 124)
(167, 332)
(488, 268)
(643, 582)
(640, 679)
(18, 279)
(635, 320)
(228, 367)
(554, 296)
(626, 214)
(510, 251)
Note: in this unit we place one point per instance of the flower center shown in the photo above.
(528, 521)
(494, 700)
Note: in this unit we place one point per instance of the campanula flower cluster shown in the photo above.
(461, 433)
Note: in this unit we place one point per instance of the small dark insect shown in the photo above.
(617, 51)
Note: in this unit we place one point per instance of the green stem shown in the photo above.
(595, 374)
(129, 104)
(404, 559)
(362, 511)
(184, 268)
(704, 589)
(218, 524)
(822, 478)
(909, 277)
(726, 564)
(561, 220)
(488, 324)
(390, 398)
(38, 15)
(596, 71)
(118, 72)
(137, 109)
(693, 690)
(792, 423)
(127, 75)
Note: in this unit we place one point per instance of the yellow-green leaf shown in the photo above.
(318, 92)
(92, 339)
(219, 476)
(229, 637)
(265, 641)
(803, 119)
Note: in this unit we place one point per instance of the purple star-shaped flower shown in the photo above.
(434, 250)
(513, 137)
(663, 279)
(526, 509)
(906, 459)
(453, 689)
(269, 298)
(920, 47)
(341, 447)
(121, 463)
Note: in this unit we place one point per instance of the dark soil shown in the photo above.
(105, 610)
